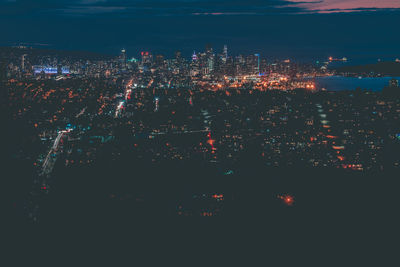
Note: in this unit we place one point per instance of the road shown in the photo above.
(49, 161)
(127, 95)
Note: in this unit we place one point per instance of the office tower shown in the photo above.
(159, 61)
(210, 64)
(178, 56)
(258, 63)
(23, 62)
(147, 58)
(194, 56)
(123, 58)
(209, 49)
(225, 54)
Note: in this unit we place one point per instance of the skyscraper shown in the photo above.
(194, 56)
(147, 58)
(209, 49)
(23, 62)
(258, 63)
(225, 54)
(210, 64)
(123, 58)
(178, 55)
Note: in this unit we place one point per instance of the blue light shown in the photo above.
(230, 172)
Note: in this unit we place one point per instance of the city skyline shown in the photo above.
(266, 130)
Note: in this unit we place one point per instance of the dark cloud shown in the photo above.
(150, 7)
(187, 7)
(271, 27)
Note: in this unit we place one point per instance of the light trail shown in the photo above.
(47, 166)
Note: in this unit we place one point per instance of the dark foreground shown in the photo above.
(136, 213)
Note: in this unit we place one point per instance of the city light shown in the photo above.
(287, 199)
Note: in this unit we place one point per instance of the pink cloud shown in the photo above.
(329, 6)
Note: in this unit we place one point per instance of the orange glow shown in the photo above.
(338, 147)
(287, 199)
(210, 142)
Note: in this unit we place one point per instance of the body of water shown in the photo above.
(339, 83)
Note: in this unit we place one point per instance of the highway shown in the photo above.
(48, 163)
(127, 95)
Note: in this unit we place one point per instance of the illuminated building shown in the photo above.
(50, 70)
(194, 56)
(147, 58)
(23, 62)
(159, 61)
(258, 63)
(45, 70)
(123, 58)
(210, 63)
(225, 54)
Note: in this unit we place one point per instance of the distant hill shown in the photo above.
(36, 53)
(382, 68)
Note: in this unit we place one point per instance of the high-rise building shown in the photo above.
(258, 63)
(209, 49)
(123, 58)
(159, 61)
(225, 54)
(23, 57)
(194, 56)
(147, 58)
(210, 64)
(194, 65)
(178, 56)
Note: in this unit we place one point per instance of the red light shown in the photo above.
(287, 199)
(218, 196)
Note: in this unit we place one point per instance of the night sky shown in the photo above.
(275, 28)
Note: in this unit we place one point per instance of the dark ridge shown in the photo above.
(36, 53)
(382, 68)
